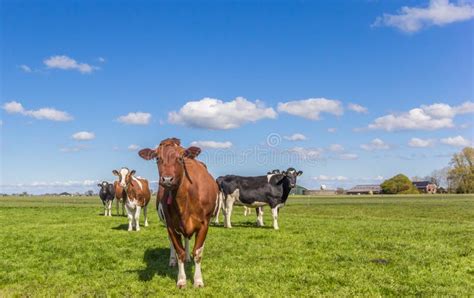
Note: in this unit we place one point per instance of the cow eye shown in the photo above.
(157, 160)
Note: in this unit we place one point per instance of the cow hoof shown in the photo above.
(146, 224)
(181, 284)
(198, 283)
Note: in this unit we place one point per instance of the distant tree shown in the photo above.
(399, 184)
(340, 191)
(440, 177)
(461, 174)
(89, 193)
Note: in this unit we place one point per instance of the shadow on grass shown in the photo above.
(246, 224)
(122, 227)
(156, 260)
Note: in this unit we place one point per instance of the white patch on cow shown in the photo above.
(139, 182)
(269, 177)
(275, 218)
(260, 217)
(255, 204)
(123, 175)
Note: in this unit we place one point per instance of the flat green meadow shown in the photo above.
(326, 246)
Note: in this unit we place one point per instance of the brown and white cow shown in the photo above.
(120, 196)
(138, 196)
(188, 195)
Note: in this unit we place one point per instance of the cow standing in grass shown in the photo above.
(138, 196)
(188, 195)
(272, 190)
(106, 194)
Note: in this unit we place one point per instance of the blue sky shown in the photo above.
(370, 88)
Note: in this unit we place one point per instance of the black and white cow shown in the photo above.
(107, 195)
(272, 190)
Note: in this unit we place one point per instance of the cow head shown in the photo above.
(124, 176)
(170, 159)
(103, 186)
(291, 174)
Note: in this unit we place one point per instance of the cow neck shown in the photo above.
(286, 188)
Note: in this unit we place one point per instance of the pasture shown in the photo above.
(406, 245)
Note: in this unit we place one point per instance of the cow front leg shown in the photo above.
(130, 218)
(197, 254)
(181, 256)
(229, 203)
(259, 211)
(138, 209)
(117, 205)
(172, 262)
(145, 215)
(275, 218)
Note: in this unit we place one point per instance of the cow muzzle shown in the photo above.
(167, 181)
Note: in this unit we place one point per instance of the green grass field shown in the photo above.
(370, 246)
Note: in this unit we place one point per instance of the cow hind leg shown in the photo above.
(229, 203)
(275, 218)
(145, 215)
(259, 211)
(172, 262)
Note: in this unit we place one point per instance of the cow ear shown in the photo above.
(132, 172)
(147, 153)
(283, 173)
(115, 172)
(99, 185)
(269, 173)
(192, 152)
(300, 173)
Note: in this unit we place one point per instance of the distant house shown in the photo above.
(425, 186)
(365, 189)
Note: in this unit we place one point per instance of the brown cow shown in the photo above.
(188, 195)
(120, 196)
(138, 196)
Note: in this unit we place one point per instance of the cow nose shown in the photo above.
(166, 180)
(123, 184)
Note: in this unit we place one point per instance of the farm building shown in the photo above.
(319, 192)
(425, 186)
(365, 189)
(298, 190)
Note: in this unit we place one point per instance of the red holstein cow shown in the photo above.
(120, 196)
(138, 196)
(188, 195)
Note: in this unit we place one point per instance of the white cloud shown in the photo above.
(133, 147)
(438, 13)
(138, 118)
(420, 143)
(311, 108)
(83, 136)
(101, 59)
(332, 129)
(14, 107)
(431, 117)
(307, 153)
(25, 68)
(336, 148)
(66, 63)
(348, 156)
(213, 113)
(375, 144)
(457, 141)
(212, 144)
(330, 178)
(73, 149)
(357, 108)
(296, 137)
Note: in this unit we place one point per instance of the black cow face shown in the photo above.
(291, 174)
(103, 186)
